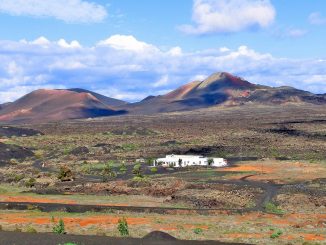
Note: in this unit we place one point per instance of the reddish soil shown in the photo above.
(27, 199)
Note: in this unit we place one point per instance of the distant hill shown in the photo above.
(54, 105)
(221, 89)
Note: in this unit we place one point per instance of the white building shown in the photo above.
(188, 160)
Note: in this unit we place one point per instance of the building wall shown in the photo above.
(173, 160)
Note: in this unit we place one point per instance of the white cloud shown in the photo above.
(125, 72)
(316, 18)
(74, 11)
(176, 51)
(42, 41)
(224, 49)
(129, 43)
(225, 16)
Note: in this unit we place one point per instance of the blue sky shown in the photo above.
(129, 49)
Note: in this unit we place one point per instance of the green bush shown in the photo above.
(18, 177)
(198, 231)
(123, 227)
(31, 230)
(30, 183)
(137, 171)
(272, 208)
(150, 161)
(13, 161)
(39, 154)
(141, 179)
(276, 234)
(108, 172)
(129, 147)
(59, 228)
(123, 169)
(65, 174)
(154, 170)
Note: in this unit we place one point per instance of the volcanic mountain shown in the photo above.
(221, 89)
(54, 105)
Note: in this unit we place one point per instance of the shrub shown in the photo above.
(140, 179)
(129, 147)
(276, 234)
(123, 227)
(154, 170)
(59, 228)
(39, 154)
(272, 208)
(18, 177)
(198, 231)
(31, 230)
(66, 151)
(137, 171)
(210, 161)
(30, 183)
(65, 174)
(108, 172)
(123, 169)
(150, 161)
(13, 161)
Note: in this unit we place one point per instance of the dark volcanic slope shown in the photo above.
(55, 105)
(221, 89)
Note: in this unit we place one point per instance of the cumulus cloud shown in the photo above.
(225, 16)
(316, 18)
(74, 11)
(128, 43)
(133, 69)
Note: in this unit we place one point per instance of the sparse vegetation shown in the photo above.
(276, 234)
(272, 208)
(185, 188)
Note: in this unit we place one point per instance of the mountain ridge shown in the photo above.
(220, 89)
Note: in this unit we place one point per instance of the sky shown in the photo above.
(130, 49)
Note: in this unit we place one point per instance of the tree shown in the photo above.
(59, 228)
(123, 227)
(180, 162)
(210, 161)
